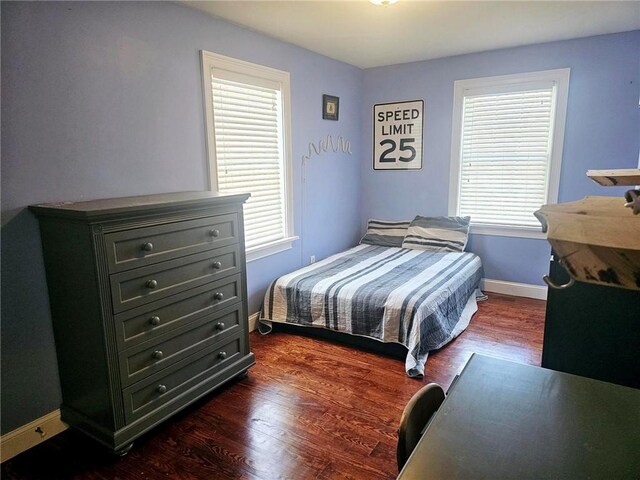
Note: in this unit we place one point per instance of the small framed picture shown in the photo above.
(330, 105)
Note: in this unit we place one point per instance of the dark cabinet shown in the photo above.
(148, 299)
(592, 330)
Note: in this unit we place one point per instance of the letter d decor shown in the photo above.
(397, 135)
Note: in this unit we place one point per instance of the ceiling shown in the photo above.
(365, 35)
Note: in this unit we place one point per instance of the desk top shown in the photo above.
(506, 420)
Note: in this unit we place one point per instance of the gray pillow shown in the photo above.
(440, 234)
(384, 233)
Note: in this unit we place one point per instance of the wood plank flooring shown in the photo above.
(309, 409)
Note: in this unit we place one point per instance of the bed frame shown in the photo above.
(395, 350)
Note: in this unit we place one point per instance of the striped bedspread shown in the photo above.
(418, 298)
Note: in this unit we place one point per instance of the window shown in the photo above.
(248, 142)
(506, 150)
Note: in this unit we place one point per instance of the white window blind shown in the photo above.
(505, 155)
(247, 118)
(506, 149)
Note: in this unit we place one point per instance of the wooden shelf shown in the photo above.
(597, 240)
(615, 178)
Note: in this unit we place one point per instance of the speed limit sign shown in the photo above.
(397, 135)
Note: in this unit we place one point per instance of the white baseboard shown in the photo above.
(253, 321)
(516, 289)
(30, 435)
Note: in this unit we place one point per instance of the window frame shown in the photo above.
(561, 79)
(210, 61)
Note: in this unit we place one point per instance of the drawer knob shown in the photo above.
(220, 326)
(214, 233)
(222, 355)
(147, 247)
(155, 320)
(161, 388)
(217, 265)
(218, 295)
(157, 354)
(151, 284)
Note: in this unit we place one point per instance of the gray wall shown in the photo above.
(105, 100)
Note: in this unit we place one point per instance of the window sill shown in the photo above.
(270, 249)
(506, 231)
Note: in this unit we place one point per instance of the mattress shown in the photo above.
(420, 299)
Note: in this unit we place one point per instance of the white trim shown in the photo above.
(505, 231)
(456, 141)
(210, 61)
(25, 437)
(538, 292)
(562, 98)
(288, 159)
(270, 248)
(241, 66)
(253, 321)
(560, 77)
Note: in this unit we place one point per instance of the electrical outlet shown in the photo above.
(312, 259)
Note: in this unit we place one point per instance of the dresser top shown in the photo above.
(597, 240)
(95, 209)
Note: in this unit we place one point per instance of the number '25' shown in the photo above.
(403, 148)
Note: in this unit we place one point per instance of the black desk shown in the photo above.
(503, 420)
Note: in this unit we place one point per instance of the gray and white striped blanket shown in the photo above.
(418, 298)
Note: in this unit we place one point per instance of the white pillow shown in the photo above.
(440, 234)
(385, 233)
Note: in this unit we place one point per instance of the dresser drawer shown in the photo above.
(150, 322)
(141, 361)
(145, 246)
(144, 285)
(156, 390)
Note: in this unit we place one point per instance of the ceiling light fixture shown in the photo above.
(383, 3)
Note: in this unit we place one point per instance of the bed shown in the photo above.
(417, 298)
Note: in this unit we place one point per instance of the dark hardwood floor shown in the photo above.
(309, 409)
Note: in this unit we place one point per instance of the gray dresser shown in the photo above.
(148, 299)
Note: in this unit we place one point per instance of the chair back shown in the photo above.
(415, 417)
